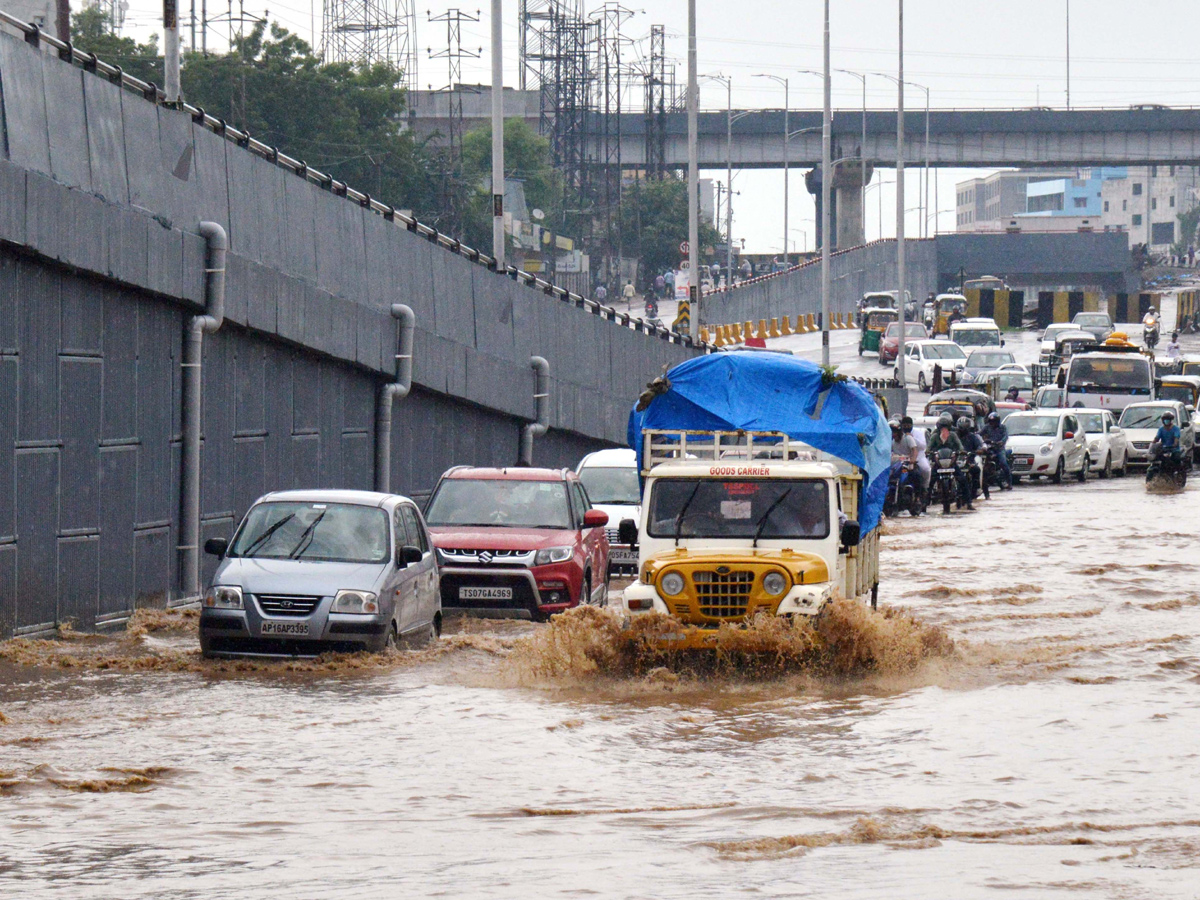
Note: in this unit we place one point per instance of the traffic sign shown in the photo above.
(684, 247)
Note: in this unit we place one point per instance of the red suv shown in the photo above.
(517, 542)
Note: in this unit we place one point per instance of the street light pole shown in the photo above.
(693, 104)
(826, 177)
(728, 182)
(498, 136)
(900, 273)
(1068, 54)
(787, 138)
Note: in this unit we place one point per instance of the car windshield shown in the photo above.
(495, 502)
(612, 484)
(1180, 392)
(1143, 416)
(1019, 380)
(976, 337)
(738, 509)
(1092, 319)
(1091, 423)
(943, 350)
(324, 532)
(989, 359)
(1125, 375)
(1033, 426)
(911, 329)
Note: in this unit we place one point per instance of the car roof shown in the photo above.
(1156, 403)
(1048, 411)
(1074, 333)
(511, 473)
(924, 341)
(1193, 380)
(617, 457)
(1096, 312)
(974, 325)
(357, 498)
(992, 348)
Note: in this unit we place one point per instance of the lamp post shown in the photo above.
(900, 274)
(693, 101)
(826, 178)
(498, 136)
(730, 118)
(787, 137)
(862, 149)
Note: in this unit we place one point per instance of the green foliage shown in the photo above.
(656, 223)
(91, 32)
(1189, 221)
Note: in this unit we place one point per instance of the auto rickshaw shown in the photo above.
(946, 307)
(874, 323)
(960, 401)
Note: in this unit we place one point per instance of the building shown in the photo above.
(983, 204)
(1147, 204)
(42, 13)
(1078, 196)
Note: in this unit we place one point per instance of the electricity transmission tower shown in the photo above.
(371, 31)
(454, 54)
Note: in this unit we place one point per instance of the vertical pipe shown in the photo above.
(862, 159)
(62, 17)
(396, 390)
(193, 347)
(693, 106)
(729, 182)
(171, 50)
(498, 135)
(541, 397)
(787, 142)
(900, 273)
(925, 221)
(826, 179)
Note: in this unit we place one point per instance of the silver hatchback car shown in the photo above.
(313, 571)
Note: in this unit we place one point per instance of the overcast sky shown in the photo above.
(969, 54)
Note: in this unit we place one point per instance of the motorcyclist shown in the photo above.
(1013, 395)
(1168, 436)
(973, 445)
(918, 436)
(996, 435)
(1150, 327)
(945, 439)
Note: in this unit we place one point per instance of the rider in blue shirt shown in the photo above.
(1168, 434)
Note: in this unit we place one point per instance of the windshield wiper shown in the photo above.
(683, 511)
(762, 523)
(306, 538)
(262, 538)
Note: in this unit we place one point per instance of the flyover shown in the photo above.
(957, 138)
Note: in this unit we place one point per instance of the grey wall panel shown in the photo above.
(299, 228)
(217, 422)
(384, 261)
(143, 165)
(79, 580)
(120, 342)
(343, 331)
(152, 566)
(79, 431)
(333, 390)
(105, 140)
(82, 330)
(164, 261)
(306, 398)
(8, 588)
(128, 241)
(38, 343)
(12, 203)
(248, 475)
(358, 461)
(24, 104)
(453, 300)
(36, 474)
(47, 230)
(290, 309)
(318, 322)
(11, 276)
(118, 506)
(257, 287)
(306, 461)
(66, 124)
(250, 388)
(176, 175)
(278, 423)
(8, 428)
(493, 311)
(416, 278)
(375, 340)
(208, 196)
(158, 336)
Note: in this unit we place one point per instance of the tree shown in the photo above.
(656, 223)
(91, 31)
(1188, 223)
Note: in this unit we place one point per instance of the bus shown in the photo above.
(1111, 378)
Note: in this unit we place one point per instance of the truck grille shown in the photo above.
(723, 594)
(286, 605)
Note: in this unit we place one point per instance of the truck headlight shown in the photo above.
(1046, 449)
(362, 603)
(553, 555)
(774, 584)
(223, 596)
(673, 584)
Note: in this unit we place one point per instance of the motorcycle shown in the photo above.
(651, 308)
(1168, 467)
(1150, 335)
(904, 490)
(993, 475)
(945, 480)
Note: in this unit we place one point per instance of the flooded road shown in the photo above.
(1053, 752)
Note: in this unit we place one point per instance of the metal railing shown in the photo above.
(89, 62)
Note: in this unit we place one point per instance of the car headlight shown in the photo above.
(1094, 445)
(553, 555)
(1045, 449)
(223, 596)
(362, 603)
(774, 583)
(673, 584)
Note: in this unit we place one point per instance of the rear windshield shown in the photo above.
(328, 532)
(1092, 319)
(1033, 426)
(1091, 423)
(944, 351)
(1180, 392)
(911, 329)
(989, 359)
(611, 484)
(975, 337)
(490, 502)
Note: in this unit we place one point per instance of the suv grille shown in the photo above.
(287, 605)
(485, 557)
(725, 594)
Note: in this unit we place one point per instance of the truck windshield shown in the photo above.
(612, 484)
(1180, 392)
(1128, 375)
(493, 502)
(736, 509)
(326, 532)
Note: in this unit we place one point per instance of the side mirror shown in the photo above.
(408, 555)
(216, 547)
(1067, 435)
(595, 518)
(851, 533)
(627, 532)
(1001, 342)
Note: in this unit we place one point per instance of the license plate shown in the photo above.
(290, 628)
(484, 593)
(622, 556)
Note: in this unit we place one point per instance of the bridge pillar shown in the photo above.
(850, 179)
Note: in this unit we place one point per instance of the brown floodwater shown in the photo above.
(1023, 724)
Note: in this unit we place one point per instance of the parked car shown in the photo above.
(913, 331)
(311, 571)
(610, 478)
(1107, 445)
(921, 356)
(517, 543)
(1097, 323)
(985, 360)
(1140, 421)
(1047, 443)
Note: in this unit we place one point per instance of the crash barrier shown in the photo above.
(777, 326)
(1006, 307)
(1062, 306)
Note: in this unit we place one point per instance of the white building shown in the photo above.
(40, 12)
(1147, 204)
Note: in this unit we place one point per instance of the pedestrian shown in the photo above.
(669, 277)
(629, 294)
(601, 293)
(1173, 351)
(660, 286)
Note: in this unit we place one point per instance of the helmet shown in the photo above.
(945, 421)
(993, 417)
(963, 424)
(1168, 416)
(1151, 309)
(894, 421)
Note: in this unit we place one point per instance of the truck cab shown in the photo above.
(737, 524)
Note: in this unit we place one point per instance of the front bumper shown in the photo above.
(801, 600)
(535, 593)
(246, 632)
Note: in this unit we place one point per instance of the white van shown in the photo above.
(972, 333)
(610, 478)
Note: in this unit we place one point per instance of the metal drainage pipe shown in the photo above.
(541, 396)
(396, 390)
(193, 345)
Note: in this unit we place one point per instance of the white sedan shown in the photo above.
(1141, 422)
(920, 357)
(1047, 442)
(1107, 445)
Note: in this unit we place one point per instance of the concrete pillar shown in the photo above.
(850, 178)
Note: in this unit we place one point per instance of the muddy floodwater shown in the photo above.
(1052, 750)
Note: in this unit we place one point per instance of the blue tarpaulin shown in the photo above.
(749, 391)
